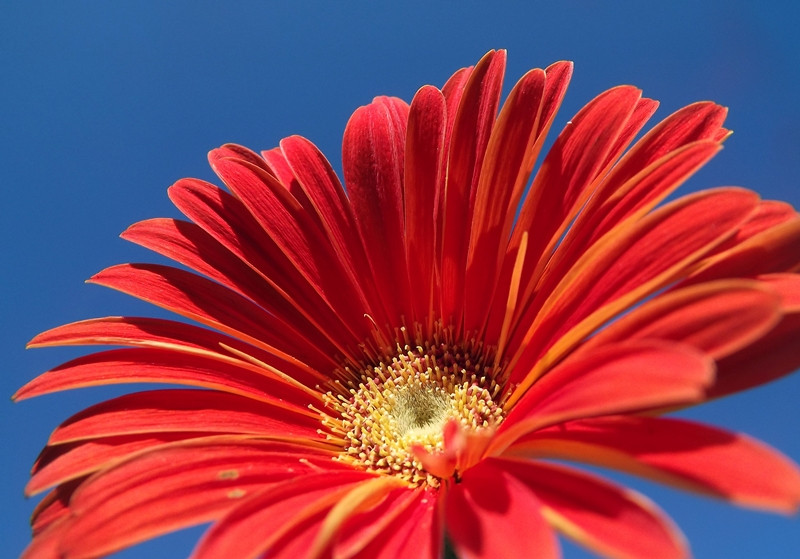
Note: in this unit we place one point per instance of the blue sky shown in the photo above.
(104, 105)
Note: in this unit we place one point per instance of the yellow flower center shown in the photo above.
(406, 399)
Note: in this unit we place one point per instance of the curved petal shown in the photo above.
(626, 266)
(504, 174)
(717, 318)
(204, 301)
(678, 452)
(373, 154)
(423, 175)
(262, 524)
(562, 184)
(474, 119)
(392, 528)
(228, 220)
(173, 336)
(164, 411)
(188, 244)
(164, 366)
(608, 520)
(774, 355)
(60, 464)
(612, 379)
(492, 514)
(171, 488)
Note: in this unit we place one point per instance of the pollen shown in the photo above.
(405, 398)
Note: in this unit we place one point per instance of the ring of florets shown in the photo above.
(405, 398)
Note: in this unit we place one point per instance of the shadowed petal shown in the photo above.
(171, 488)
(683, 453)
(611, 379)
(492, 514)
(717, 318)
(264, 523)
(611, 521)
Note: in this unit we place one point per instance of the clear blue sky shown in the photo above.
(104, 104)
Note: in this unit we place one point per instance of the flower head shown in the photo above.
(386, 369)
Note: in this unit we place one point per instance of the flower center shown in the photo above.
(406, 399)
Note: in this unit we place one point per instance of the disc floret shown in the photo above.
(406, 398)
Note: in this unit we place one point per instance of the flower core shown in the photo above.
(406, 398)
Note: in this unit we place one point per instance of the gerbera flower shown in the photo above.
(385, 369)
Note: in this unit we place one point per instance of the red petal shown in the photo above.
(164, 411)
(717, 318)
(504, 174)
(770, 251)
(295, 231)
(373, 155)
(329, 200)
(492, 514)
(608, 520)
(627, 266)
(607, 380)
(423, 174)
(226, 218)
(201, 300)
(191, 246)
(768, 215)
(165, 366)
(171, 335)
(689, 455)
(774, 355)
(467, 145)
(65, 462)
(169, 489)
(258, 525)
(562, 184)
(400, 526)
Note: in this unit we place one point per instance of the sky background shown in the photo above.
(105, 104)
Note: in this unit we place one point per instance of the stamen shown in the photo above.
(406, 397)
